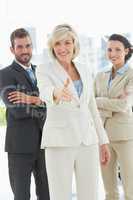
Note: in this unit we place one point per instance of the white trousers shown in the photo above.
(61, 162)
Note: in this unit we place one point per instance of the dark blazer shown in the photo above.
(24, 122)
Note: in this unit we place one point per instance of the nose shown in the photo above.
(25, 50)
(62, 47)
(112, 53)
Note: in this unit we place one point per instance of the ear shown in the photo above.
(126, 51)
(12, 49)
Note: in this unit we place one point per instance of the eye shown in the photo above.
(19, 47)
(69, 42)
(57, 44)
(28, 46)
(118, 49)
(109, 49)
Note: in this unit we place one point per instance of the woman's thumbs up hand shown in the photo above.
(62, 94)
(66, 83)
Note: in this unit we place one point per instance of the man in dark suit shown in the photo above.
(24, 122)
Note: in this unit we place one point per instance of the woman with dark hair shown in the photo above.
(114, 97)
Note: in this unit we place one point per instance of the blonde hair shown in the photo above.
(60, 32)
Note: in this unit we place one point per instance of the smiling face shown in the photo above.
(22, 50)
(63, 49)
(116, 53)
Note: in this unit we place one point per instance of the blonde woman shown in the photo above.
(73, 130)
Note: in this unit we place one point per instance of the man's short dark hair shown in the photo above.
(18, 33)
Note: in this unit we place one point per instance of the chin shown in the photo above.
(25, 62)
(115, 63)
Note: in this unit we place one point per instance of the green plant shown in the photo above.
(2, 116)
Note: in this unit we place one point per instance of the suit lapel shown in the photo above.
(115, 84)
(82, 74)
(23, 72)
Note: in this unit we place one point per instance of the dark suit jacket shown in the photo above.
(24, 123)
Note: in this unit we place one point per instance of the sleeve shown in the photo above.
(104, 113)
(102, 135)
(7, 85)
(118, 104)
(45, 84)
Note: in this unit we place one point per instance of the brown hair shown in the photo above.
(125, 42)
(18, 33)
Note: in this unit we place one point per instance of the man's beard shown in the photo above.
(24, 59)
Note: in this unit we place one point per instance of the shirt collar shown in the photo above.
(122, 70)
(25, 68)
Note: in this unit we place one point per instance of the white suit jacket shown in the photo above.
(69, 123)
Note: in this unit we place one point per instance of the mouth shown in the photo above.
(24, 55)
(63, 54)
(114, 59)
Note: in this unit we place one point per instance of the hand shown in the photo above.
(127, 92)
(104, 154)
(17, 97)
(63, 94)
(123, 96)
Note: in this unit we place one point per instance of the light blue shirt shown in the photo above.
(120, 71)
(79, 86)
